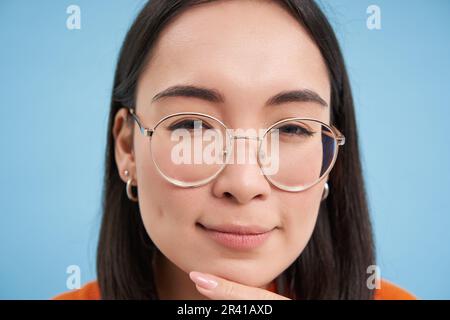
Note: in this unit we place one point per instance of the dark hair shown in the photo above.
(333, 264)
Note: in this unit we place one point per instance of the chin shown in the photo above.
(254, 276)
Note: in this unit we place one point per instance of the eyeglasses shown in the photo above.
(190, 149)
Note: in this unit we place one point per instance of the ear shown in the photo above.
(122, 131)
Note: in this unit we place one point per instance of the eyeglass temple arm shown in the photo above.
(339, 136)
(145, 131)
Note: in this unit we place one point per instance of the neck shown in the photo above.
(173, 283)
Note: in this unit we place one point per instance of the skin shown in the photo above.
(249, 51)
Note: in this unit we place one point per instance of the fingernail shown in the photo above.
(202, 280)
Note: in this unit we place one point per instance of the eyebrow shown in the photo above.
(214, 96)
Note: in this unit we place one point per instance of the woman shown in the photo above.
(295, 226)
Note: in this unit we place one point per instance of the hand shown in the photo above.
(217, 288)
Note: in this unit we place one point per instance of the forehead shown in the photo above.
(249, 50)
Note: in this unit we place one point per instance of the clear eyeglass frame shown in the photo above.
(339, 141)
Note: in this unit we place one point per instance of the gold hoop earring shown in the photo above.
(130, 194)
(326, 191)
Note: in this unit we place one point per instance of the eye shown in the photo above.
(189, 124)
(295, 130)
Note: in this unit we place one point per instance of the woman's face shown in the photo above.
(248, 51)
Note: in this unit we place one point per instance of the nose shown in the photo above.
(242, 182)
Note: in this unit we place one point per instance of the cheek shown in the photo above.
(168, 212)
(300, 215)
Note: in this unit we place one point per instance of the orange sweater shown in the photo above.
(388, 291)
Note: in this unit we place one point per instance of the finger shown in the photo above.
(217, 288)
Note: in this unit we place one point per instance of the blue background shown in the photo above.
(54, 93)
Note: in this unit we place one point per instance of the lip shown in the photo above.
(237, 236)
